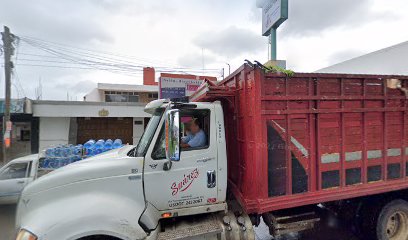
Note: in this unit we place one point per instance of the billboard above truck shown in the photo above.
(177, 87)
(180, 85)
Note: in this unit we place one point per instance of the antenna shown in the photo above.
(38, 90)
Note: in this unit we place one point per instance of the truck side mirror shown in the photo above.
(172, 136)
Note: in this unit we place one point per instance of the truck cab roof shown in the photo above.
(27, 158)
(163, 103)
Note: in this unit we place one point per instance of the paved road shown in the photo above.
(7, 229)
(7, 213)
(262, 233)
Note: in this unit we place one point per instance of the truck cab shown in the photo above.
(195, 176)
(154, 190)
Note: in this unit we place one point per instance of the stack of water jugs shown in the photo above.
(56, 157)
(93, 148)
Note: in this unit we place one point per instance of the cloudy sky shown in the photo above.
(181, 34)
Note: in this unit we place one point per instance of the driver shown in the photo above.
(196, 137)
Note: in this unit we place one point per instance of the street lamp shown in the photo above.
(229, 69)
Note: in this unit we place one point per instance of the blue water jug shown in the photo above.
(76, 158)
(65, 152)
(77, 150)
(49, 152)
(100, 144)
(64, 161)
(57, 152)
(98, 151)
(44, 163)
(117, 143)
(108, 144)
(89, 144)
(90, 152)
(53, 163)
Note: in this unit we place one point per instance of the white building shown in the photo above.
(64, 122)
(108, 111)
(388, 61)
(107, 92)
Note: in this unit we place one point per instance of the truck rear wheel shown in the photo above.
(392, 223)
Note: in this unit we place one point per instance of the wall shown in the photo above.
(87, 109)
(21, 148)
(138, 129)
(54, 131)
(95, 95)
(144, 97)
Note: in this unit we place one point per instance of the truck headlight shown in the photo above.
(25, 235)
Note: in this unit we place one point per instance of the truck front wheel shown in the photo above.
(392, 223)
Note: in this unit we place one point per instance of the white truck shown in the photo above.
(138, 192)
(15, 175)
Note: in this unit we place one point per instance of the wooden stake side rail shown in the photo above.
(311, 138)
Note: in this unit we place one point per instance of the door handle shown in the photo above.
(21, 182)
(211, 181)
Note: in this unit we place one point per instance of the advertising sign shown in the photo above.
(16, 106)
(274, 13)
(177, 87)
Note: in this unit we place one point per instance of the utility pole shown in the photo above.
(7, 51)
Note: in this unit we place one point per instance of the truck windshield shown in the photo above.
(147, 136)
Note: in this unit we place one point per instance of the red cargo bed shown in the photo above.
(311, 138)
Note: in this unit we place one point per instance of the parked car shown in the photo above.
(15, 175)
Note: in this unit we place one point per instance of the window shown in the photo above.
(153, 95)
(14, 171)
(113, 96)
(148, 134)
(133, 98)
(159, 150)
(203, 116)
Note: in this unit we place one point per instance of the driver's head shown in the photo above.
(194, 126)
(187, 127)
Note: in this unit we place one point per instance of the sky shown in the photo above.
(191, 35)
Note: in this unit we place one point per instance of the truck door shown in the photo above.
(192, 181)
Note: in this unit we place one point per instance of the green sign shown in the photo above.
(274, 13)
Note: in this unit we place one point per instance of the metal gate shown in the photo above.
(105, 128)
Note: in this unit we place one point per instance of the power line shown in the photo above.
(154, 61)
(17, 78)
(87, 68)
(76, 67)
(98, 61)
(19, 82)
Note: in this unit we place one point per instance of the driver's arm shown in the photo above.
(184, 145)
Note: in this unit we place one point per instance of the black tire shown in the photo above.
(392, 222)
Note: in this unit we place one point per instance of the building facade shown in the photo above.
(68, 122)
(108, 111)
(130, 93)
(24, 128)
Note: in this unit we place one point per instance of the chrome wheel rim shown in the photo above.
(396, 228)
